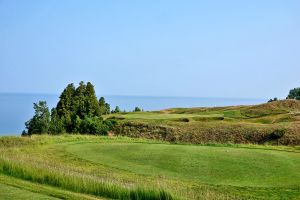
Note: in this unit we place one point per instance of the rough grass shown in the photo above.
(273, 108)
(233, 124)
(15, 188)
(77, 183)
(216, 171)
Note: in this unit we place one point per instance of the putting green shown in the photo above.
(204, 164)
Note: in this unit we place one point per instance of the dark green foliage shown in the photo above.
(104, 107)
(91, 102)
(84, 113)
(294, 94)
(79, 103)
(78, 111)
(24, 133)
(56, 123)
(93, 125)
(274, 99)
(116, 110)
(107, 108)
(40, 122)
(65, 106)
(137, 109)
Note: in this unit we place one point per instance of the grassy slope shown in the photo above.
(234, 124)
(13, 188)
(202, 164)
(9, 192)
(186, 171)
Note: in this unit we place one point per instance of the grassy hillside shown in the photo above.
(272, 123)
(89, 167)
(212, 167)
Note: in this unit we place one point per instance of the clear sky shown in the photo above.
(195, 48)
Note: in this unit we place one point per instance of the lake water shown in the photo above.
(15, 109)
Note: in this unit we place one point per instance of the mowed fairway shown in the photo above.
(252, 167)
(10, 192)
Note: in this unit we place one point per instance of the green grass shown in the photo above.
(234, 112)
(13, 188)
(77, 183)
(232, 124)
(227, 165)
(203, 164)
(160, 116)
(10, 192)
(90, 167)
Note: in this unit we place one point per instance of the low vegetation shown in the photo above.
(294, 94)
(255, 124)
(90, 167)
(233, 152)
(79, 111)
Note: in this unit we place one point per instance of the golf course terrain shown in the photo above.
(240, 152)
(276, 123)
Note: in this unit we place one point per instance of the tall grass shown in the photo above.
(79, 184)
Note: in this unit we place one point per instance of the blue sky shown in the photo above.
(195, 48)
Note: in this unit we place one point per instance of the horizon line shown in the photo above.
(133, 95)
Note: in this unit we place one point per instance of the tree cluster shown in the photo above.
(137, 109)
(294, 94)
(274, 99)
(78, 111)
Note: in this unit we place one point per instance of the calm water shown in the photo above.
(15, 109)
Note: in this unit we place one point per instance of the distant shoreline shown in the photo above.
(16, 108)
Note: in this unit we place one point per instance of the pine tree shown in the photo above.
(91, 102)
(107, 108)
(80, 101)
(65, 107)
(104, 107)
(78, 111)
(117, 109)
(56, 123)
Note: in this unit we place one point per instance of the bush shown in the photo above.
(94, 125)
(274, 99)
(137, 109)
(294, 94)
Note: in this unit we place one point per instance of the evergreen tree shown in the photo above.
(117, 109)
(137, 109)
(40, 122)
(77, 125)
(294, 94)
(104, 107)
(65, 104)
(80, 101)
(92, 105)
(65, 107)
(78, 111)
(101, 102)
(56, 123)
(107, 108)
